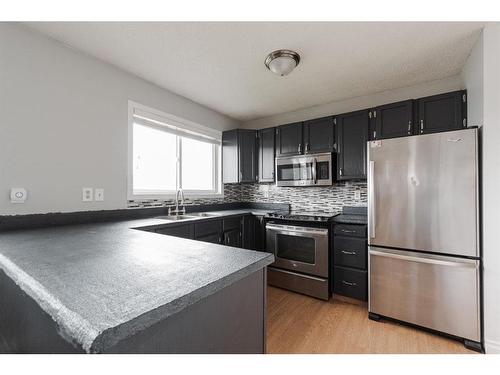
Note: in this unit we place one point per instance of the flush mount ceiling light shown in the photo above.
(282, 61)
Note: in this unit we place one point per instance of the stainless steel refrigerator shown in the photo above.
(423, 224)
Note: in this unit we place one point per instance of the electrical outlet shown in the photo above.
(99, 194)
(87, 194)
(357, 195)
(18, 195)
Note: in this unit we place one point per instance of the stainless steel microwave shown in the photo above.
(306, 170)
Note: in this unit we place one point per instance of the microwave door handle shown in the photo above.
(314, 175)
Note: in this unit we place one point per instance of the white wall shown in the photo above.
(491, 185)
(361, 102)
(63, 123)
(472, 78)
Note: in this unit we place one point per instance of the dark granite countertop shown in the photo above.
(352, 215)
(103, 282)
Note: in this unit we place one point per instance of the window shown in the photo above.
(167, 153)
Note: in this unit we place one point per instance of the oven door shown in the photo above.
(300, 249)
(304, 170)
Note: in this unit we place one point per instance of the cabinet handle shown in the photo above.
(409, 127)
(348, 283)
(347, 231)
(307, 147)
(241, 176)
(300, 148)
(421, 126)
(348, 252)
(340, 171)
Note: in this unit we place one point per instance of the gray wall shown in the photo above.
(472, 77)
(384, 97)
(481, 76)
(64, 123)
(491, 185)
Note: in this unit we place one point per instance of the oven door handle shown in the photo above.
(297, 231)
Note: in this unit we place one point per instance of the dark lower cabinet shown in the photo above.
(212, 238)
(350, 282)
(442, 112)
(249, 232)
(232, 238)
(352, 135)
(265, 151)
(319, 135)
(350, 258)
(260, 233)
(393, 120)
(289, 140)
(183, 231)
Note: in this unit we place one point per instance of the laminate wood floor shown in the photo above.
(301, 324)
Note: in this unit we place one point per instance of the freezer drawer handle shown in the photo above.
(469, 263)
(349, 283)
(348, 252)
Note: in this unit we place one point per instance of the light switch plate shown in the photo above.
(87, 194)
(18, 195)
(99, 194)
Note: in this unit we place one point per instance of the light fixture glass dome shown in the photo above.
(282, 62)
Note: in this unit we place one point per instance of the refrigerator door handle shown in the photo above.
(431, 259)
(371, 199)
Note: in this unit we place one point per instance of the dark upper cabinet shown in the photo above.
(442, 112)
(392, 120)
(289, 139)
(266, 155)
(319, 135)
(352, 135)
(239, 156)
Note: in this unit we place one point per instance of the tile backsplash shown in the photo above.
(329, 199)
(315, 198)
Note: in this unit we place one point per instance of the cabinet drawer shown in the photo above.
(231, 223)
(350, 230)
(350, 252)
(207, 227)
(183, 231)
(350, 283)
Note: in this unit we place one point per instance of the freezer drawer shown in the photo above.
(437, 292)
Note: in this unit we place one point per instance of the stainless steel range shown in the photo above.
(300, 244)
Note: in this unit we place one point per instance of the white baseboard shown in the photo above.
(492, 347)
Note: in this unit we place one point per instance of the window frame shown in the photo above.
(178, 126)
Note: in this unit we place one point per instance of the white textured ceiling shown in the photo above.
(221, 65)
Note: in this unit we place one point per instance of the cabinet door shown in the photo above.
(442, 112)
(393, 120)
(260, 233)
(289, 139)
(230, 166)
(319, 135)
(247, 155)
(266, 155)
(184, 231)
(212, 238)
(249, 232)
(352, 135)
(232, 238)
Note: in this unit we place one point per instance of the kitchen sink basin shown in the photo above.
(176, 217)
(203, 214)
